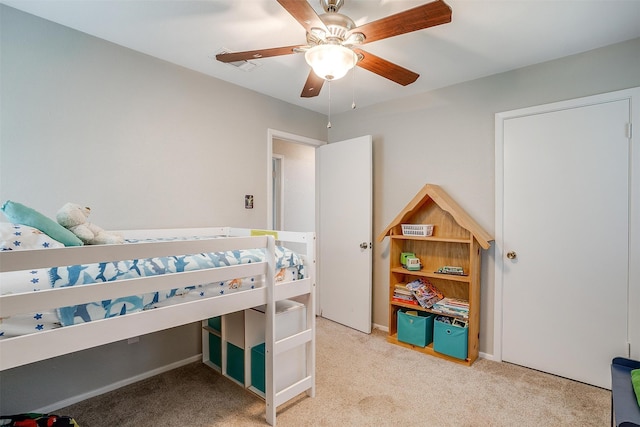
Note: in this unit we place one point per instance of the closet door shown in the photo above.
(565, 239)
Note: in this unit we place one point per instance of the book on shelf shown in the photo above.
(452, 306)
(425, 292)
(402, 291)
(405, 296)
(405, 301)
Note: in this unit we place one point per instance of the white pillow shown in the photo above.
(15, 237)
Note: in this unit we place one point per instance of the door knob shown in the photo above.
(364, 245)
(511, 255)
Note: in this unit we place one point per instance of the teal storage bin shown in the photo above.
(450, 339)
(235, 362)
(215, 323)
(415, 330)
(215, 350)
(257, 367)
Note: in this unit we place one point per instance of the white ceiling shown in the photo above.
(485, 37)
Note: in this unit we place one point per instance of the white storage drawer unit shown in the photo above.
(290, 319)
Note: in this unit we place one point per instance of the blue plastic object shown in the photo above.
(625, 411)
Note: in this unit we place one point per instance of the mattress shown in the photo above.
(289, 267)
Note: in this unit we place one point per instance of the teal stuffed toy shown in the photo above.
(21, 214)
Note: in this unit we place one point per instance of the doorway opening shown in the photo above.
(291, 192)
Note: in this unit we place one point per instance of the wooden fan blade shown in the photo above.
(302, 11)
(386, 69)
(256, 54)
(312, 86)
(418, 18)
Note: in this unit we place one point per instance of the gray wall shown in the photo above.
(446, 137)
(146, 144)
(88, 121)
(101, 125)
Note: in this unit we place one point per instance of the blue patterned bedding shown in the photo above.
(288, 267)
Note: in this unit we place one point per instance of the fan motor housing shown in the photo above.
(337, 24)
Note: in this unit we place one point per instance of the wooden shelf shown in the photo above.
(426, 310)
(427, 350)
(457, 240)
(422, 273)
(434, 239)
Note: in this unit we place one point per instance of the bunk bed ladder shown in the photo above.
(275, 348)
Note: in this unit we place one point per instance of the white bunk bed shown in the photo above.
(25, 349)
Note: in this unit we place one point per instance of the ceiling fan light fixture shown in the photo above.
(331, 61)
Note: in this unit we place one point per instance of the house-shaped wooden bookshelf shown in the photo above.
(456, 240)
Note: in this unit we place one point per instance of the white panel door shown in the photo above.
(344, 232)
(566, 225)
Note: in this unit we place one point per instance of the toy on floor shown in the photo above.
(74, 218)
(37, 420)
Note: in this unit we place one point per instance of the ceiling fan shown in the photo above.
(333, 40)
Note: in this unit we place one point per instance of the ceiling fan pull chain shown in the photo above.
(353, 88)
(329, 87)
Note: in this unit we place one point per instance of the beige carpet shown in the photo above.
(361, 381)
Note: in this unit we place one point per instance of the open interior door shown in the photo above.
(344, 181)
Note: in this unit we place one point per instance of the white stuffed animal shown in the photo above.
(74, 218)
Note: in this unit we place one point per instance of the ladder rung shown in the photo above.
(293, 390)
(292, 341)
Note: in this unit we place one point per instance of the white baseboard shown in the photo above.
(488, 356)
(381, 327)
(79, 398)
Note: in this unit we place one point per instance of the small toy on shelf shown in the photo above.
(413, 264)
(404, 256)
(448, 269)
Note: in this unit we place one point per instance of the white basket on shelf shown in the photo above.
(417, 230)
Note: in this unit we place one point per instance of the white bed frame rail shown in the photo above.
(39, 346)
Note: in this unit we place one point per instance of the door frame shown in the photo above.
(633, 321)
(296, 139)
(280, 184)
(289, 137)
